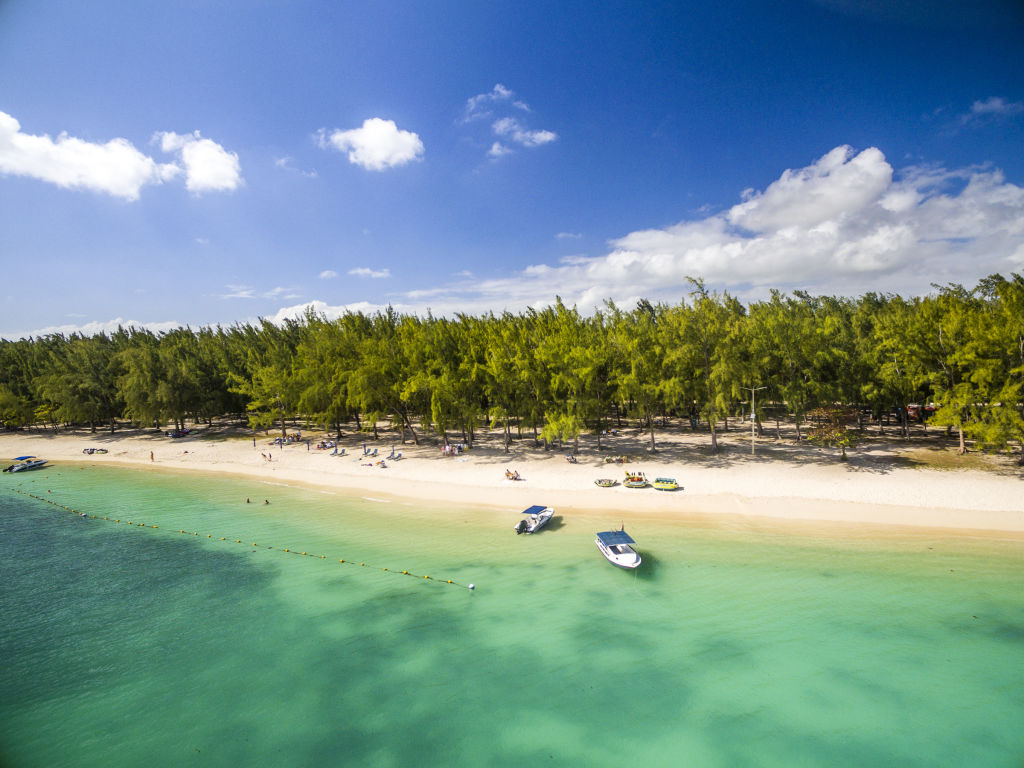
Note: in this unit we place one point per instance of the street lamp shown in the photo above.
(753, 416)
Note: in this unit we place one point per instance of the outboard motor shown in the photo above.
(520, 527)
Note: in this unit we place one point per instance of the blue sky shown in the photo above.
(203, 162)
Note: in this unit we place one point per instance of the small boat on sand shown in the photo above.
(25, 463)
(666, 484)
(617, 549)
(635, 480)
(536, 518)
(606, 482)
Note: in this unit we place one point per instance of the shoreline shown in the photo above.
(785, 487)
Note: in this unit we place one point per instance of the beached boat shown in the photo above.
(617, 549)
(666, 484)
(536, 518)
(25, 463)
(635, 480)
(606, 482)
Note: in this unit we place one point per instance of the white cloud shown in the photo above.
(511, 129)
(996, 105)
(991, 110)
(94, 327)
(499, 106)
(367, 272)
(377, 145)
(479, 107)
(239, 292)
(285, 163)
(498, 150)
(115, 168)
(845, 224)
(569, 235)
(840, 184)
(208, 166)
(248, 292)
(331, 312)
(327, 274)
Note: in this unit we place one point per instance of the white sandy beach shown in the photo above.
(881, 484)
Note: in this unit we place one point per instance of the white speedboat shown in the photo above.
(25, 462)
(536, 518)
(615, 546)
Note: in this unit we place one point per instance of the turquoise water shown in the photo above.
(124, 645)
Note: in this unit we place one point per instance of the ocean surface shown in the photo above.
(178, 642)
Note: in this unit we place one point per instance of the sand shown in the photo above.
(914, 484)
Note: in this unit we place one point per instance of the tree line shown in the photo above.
(554, 373)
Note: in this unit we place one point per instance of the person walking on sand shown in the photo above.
(151, 456)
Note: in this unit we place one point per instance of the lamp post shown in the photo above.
(753, 416)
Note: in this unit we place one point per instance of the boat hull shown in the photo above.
(24, 467)
(621, 555)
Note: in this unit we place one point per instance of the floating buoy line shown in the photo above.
(286, 550)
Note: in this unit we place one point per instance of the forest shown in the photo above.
(554, 373)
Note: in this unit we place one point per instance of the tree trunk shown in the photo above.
(963, 445)
(508, 436)
(714, 437)
(797, 418)
(415, 438)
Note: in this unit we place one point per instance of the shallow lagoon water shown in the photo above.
(125, 645)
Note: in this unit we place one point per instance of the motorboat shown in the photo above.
(635, 480)
(25, 463)
(536, 518)
(606, 482)
(617, 548)
(666, 484)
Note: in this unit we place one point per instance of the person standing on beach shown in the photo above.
(151, 456)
